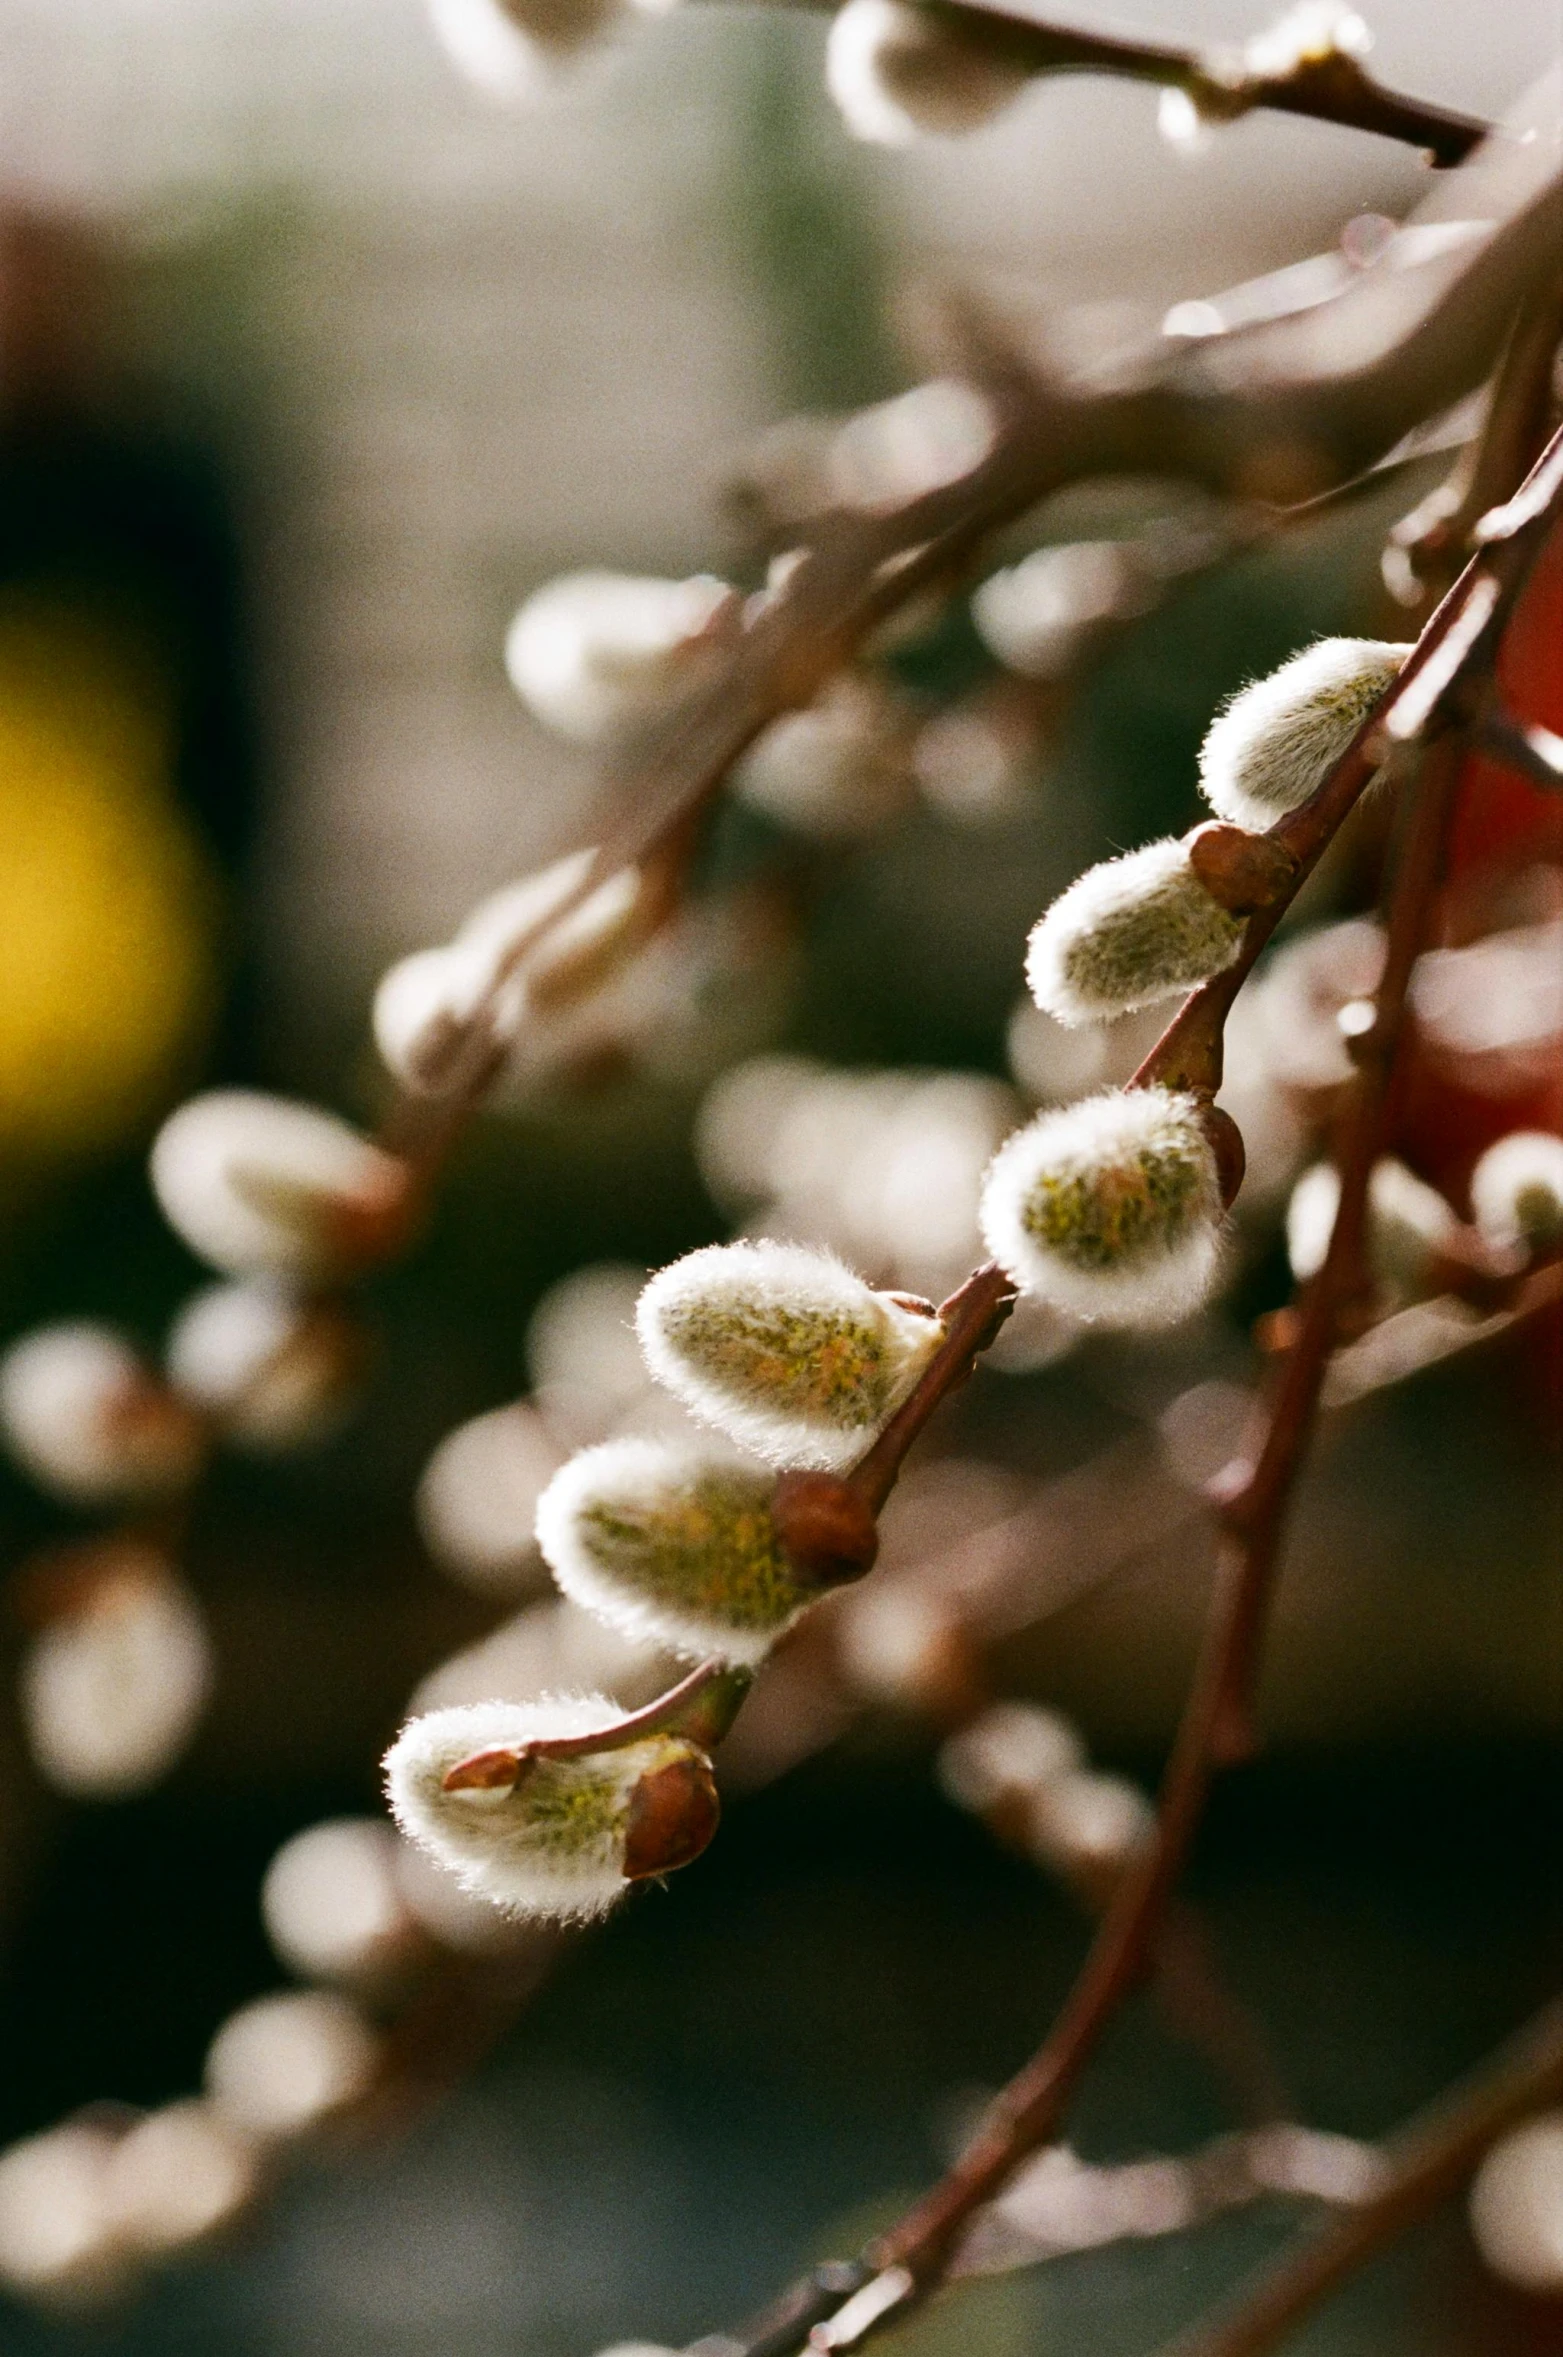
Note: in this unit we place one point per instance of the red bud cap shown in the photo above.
(1226, 1143)
(1240, 870)
(827, 1529)
(673, 1813)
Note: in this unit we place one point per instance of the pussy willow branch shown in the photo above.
(901, 2265)
(1423, 2165)
(1280, 411)
(1426, 549)
(1329, 89)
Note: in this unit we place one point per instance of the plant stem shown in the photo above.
(1424, 2165)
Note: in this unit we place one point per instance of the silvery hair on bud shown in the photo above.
(782, 1347)
(1517, 1191)
(896, 72)
(1276, 741)
(1109, 1208)
(673, 1546)
(555, 1845)
(1127, 933)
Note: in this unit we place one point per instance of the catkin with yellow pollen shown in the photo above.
(1110, 1208)
(783, 1348)
(674, 1546)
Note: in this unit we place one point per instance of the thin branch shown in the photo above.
(1283, 410)
(973, 1317)
(1424, 2165)
(1427, 547)
(1524, 746)
(900, 2266)
(1332, 88)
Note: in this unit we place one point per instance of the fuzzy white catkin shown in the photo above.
(477, 1500)
(897, 73)
(1127, 933)
(837, 770)
(1517, 1191)
(176, 2178)
(1516, 2206)
(1086, 1819)
(256, 1184)
(283, 2066)
(1306, 35)
(672, 1545)
(1408, 1222)
(590, 654)
(426, 1005)
(513, 50)
(552, 1847)
(1011, 1747)
(783, 1348)
(1109, 1208)
(1032, 616)
(252, 1356)
(110, 1694)
(331, 1902)
(81, 1414)
(1276, 741)
(56, 2243)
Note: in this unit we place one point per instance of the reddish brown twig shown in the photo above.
(1275, 418)
(1423, 2165)
(900, 2266)
(1333, 88)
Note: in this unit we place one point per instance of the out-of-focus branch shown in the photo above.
(1277, 412)
(1429, 2161)
(1448, 671)
(1523, 745)
(1329, 86)
(1427, 547)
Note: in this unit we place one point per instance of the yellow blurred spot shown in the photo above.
(106, 903)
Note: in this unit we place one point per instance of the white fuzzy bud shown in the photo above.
(56, 2243)
(177, 2178)
(1306, 35)
(427, 1007)
(1011, 1749)
(513, 50)
(1109, 1208)
(1035, 616)
(593, 654)
(1275, 742)
(332, 1904)
(1127, 933)
(1408, 1224)
(283, 2066)
(112, 1691)
(262, 1186)
(477, 1500)
(782, 1348)
(585, 1363)
(559, 1843)
(1084, 1822)
(837, 770)
(1517, 1192)
(897, 71)
(1517, 2207)
(273, 1372)
(87, 1420)
(672, 1545)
